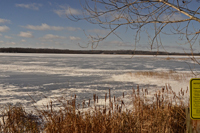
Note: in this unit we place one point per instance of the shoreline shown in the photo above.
(100, 52)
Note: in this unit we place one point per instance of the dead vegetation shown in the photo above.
(164, 112)
(181, 59)
(171, 74)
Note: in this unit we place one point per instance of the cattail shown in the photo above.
(111, 105)
(75, 96)
(109, 96)
(119, 109)
(133, 90)
(83, 103)
(114, 98)
(97, 99)
(51, 106)
(74, 103)
(94, 97)
(138, 91)
(104, 110)
(163, 89)
(89, 103)
(3, 120)
(123, 94)
(122, 102)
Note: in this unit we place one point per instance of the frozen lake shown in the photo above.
(48, 76)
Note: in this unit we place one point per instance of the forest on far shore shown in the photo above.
(67, 51)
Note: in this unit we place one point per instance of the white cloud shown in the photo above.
(4, 20)
(99, 31)
(44, 27)
(7, 37)
(33, 6)
(51, 36)
(25, 34)
(23, 40)
(1, 41)
(4, 28)
(48, 27)
(173, 17)
(119, 43)
(73, 38)
(10, 43)
(42, 43)
(73, 28)
(67, 11)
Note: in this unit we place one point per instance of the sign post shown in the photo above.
(195, 99)
(195, 103)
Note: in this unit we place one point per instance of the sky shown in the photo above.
(43, 24)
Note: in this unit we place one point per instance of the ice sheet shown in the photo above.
(34, 79)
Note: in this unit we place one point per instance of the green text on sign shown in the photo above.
(195, 98)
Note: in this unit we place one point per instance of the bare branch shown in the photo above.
(179, 17)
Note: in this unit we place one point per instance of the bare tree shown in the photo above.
(180, 15)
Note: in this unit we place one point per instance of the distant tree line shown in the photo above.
(67, 51)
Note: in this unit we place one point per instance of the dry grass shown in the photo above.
(171, 74)
(187, 58)
(157, 114)
(181, 59)
(14, 119)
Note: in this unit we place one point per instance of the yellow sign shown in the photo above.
(195, 98)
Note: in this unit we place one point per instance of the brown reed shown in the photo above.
(145, 116)
(171, 74)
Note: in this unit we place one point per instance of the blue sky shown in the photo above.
(43, 24)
